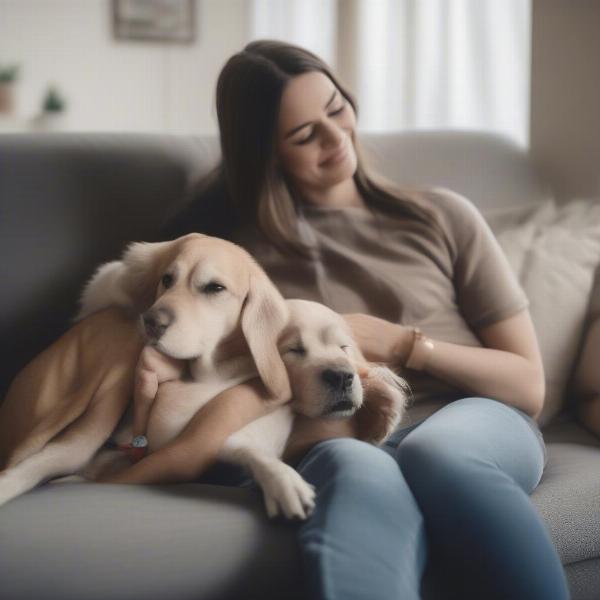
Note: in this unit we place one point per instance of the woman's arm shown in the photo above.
(508, 368)
(197, 446)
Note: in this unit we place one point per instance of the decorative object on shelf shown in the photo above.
(52, 116)
(53, 101)
(8, 76)
(154, 20)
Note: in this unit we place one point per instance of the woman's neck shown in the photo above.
(342, 195)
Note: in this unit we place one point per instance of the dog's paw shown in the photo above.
(287, 493)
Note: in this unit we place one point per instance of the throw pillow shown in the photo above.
(554, 251)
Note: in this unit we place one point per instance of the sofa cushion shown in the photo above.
(96, 541)
(69, 202)
(554, 252)
(567, 496)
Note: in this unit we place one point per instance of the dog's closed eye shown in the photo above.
(298, 350)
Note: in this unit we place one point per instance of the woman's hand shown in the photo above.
(379, 340)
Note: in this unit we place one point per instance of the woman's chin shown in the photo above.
(342, 172)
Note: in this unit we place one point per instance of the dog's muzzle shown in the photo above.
(156, 322)
(338, 380)
(345, 407)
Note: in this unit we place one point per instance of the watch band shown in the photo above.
(420, 353)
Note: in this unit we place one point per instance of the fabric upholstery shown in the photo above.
(92, 541)
(71, 201)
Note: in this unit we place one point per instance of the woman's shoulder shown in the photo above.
(447, 200)
(457, 212)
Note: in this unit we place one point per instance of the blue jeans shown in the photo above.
(453, 490)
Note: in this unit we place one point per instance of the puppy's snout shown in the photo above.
(338, 379)
(157, 321)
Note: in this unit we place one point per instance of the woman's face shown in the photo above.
(315, 133)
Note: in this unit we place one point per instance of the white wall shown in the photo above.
(114, 85)
(565, 95)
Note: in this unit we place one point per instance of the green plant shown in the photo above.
(9, 74)
(53, 101)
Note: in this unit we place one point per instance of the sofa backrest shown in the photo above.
(69, 202)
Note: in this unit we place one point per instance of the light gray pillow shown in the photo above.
(554, 251)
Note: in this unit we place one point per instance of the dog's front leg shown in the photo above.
(284, 490)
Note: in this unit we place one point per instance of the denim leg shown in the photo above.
(366, 538)
(471, 466)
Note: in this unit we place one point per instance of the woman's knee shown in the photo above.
(353, 469)
(422, 458)
(352, 477)
(469, 438)
(347, 457)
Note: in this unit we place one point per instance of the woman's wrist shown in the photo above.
(404, 344)
(420, 351)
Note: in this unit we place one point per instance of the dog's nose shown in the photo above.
(338, 379)
(157, 321)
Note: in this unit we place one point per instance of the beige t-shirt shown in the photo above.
(392, 267)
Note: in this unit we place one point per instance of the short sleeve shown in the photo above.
(487, 290)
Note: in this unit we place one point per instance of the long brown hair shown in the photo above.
(249, 91)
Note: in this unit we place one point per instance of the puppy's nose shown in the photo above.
(338, 379)
(157, 321)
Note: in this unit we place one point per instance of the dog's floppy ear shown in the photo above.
(385, 398)
(130, 282)
(144, 265)
(264, 316)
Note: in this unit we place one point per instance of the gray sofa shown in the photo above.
(71, 201)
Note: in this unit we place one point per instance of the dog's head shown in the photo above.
(196, 292)
(329, 377)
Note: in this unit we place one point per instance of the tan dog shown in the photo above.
(212, 306)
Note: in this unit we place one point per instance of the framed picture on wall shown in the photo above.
(154, 20)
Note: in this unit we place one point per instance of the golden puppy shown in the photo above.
(203, 299)
(335, 393)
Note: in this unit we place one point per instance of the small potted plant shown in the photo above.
(51, 116)
(54, 103)
(8, 76)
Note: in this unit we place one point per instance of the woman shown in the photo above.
(470, 451)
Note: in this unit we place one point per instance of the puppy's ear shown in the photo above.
(385, 399)
(130, 282)
(264, 316)
(144, 265)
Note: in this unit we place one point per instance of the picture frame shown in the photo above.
(167, 21)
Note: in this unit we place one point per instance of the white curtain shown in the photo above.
(418, 64)
(307, 23)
